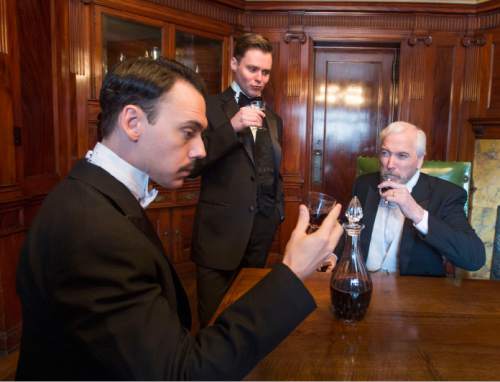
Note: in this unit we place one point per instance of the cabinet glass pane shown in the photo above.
(203, 55)
(124, 39)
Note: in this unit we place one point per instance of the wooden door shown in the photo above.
(354, 98)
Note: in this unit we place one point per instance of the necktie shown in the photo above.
(244, 100)
(392, 227)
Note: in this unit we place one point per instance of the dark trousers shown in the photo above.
(212, 284)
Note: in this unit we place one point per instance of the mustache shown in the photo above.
(389, 174)
(189, 167)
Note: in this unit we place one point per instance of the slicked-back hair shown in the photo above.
(249, 41)
(141, 82)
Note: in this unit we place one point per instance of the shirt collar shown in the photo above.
(133, 178)
(237, 91)
(413, 181)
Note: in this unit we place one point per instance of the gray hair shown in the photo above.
(401, 126)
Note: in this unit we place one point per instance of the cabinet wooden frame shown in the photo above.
(99, 14)
(225, 40)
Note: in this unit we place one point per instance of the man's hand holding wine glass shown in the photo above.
(305, 252)
(398, 194)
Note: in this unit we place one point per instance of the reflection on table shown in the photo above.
(416, 328)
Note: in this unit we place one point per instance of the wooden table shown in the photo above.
(416, 328)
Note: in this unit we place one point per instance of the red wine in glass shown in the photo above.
(319, 206)
(316, 219)
(385, 189)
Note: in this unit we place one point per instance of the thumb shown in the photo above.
(303, 220)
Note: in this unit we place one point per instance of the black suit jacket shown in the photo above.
(101, 301)
(228, 195)
(449, 236)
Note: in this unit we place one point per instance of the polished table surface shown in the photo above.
(416, 328)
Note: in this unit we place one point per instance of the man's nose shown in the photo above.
(390, 162)
(198, 149)
(258, 77)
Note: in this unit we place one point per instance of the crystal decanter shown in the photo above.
(351, 285)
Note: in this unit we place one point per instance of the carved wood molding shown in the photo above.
(418, 39)
(489, 20)
(4, 39)
(486, 128)
(295, 36)
(384, 16)
(470, 41)
(76, 26)
(209, 9)
(417, 74)
(471, 84)
(294, 78)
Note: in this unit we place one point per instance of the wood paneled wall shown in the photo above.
(449, 73)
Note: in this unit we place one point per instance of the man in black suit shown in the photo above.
(100, 299)
(241, 198)
(414, 222)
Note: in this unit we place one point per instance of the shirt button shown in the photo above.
(252, 178)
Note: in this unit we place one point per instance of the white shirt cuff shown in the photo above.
(423, 225)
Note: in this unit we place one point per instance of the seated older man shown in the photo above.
(414, 222)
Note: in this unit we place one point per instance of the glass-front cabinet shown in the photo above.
(119, 34)
(122, 39)
(202, 54)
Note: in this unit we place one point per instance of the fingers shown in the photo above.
(331, 220)
(335, 236)
(302, 222)
(252, 110)
(391, 184)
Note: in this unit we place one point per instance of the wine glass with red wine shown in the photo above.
(383, 178)
(319, 206)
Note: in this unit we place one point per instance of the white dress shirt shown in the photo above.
(387, 232)
(134, 179)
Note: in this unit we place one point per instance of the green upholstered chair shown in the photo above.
(458, 173)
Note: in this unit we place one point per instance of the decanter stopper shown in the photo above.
(354, 214)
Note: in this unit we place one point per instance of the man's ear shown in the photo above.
(420, 162)
(234, 64)
(131, 121)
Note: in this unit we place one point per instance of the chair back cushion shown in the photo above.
(458, 173)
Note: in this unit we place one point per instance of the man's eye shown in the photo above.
(266, 73)
(402, 156)
(384, 153)
(188, 134)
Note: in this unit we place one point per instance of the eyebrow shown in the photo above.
(397, 152)
(195, 125)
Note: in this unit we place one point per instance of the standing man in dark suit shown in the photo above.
(241, 198)
(100, 299)
(414, 222)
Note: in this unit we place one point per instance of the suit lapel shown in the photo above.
(272, 126)
(370, 210)
(126, 203)
(230, 108)
(421, 194)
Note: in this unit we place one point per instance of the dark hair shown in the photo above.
(251, 41)
(141, 82)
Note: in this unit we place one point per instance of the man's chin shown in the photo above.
(172, 184)
(177, 183)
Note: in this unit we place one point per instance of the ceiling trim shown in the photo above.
(422, 6)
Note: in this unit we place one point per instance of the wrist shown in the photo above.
(419, 215)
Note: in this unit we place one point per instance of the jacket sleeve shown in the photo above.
(112, 302)
(451, 234)
(280, 197)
